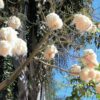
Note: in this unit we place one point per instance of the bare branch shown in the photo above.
(57, 67)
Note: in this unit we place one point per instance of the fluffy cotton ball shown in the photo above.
(84, 75)
(75, 70)
(82, 22)
(89, 59)
(1, 4)
(53, 21)
(97, 79)
(14, 22)
(8, 34)
(98, 88)
(20, 48)
(50, 52)
(92, 73)
(5, 48)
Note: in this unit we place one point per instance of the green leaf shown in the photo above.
(98, 96)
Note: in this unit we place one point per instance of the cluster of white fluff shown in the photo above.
(10, 44)
(89, 72)
(82, 22)
(50, 52)
(53, 21)
(89, 59)
(1, 4)
(86, 74)
(8, 34)
(75, 70)
(14, 22)
(20, 47)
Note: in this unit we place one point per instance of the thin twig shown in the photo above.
(57, 67)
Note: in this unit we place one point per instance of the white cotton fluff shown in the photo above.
(82, 22)
(84, 75)
(5, 48)
(8, 34)
(90, 59)
(92, 73)
(1, 4)
(98, 88)
(50, 52)
(53, 21)
(20, 48)
(75, 70)
(97, 79)
(14, 22)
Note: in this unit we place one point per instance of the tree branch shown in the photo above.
(17, 72)
(57, 67)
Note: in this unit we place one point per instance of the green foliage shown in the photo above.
(67, 8)
(81, 89)
(8, 68)
(98, 96)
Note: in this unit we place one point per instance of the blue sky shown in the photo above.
(59, 77)
(96, 6)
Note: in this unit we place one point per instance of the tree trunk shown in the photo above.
(32, 41)
(22, 81)
(4, 92)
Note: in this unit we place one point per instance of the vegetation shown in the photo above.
(31, 77)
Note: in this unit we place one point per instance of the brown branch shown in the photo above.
(57, 67)
(17, 72)
(53, 66)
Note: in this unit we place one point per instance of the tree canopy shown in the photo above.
(38, 37)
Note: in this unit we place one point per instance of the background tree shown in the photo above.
(35, 80)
